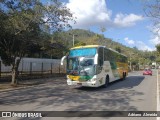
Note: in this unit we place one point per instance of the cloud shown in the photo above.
(89, 12)
(139, 44)
(155, 40)
(142, 46)
(125, 20)
(95, 13)
(130, 42)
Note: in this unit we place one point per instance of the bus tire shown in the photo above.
(106, 81)
(124, 76)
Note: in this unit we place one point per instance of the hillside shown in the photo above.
(86, 37)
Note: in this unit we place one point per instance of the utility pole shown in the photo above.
(73, 36)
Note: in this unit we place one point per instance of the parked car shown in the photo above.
(147, 72)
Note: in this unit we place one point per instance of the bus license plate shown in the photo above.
(79, 83)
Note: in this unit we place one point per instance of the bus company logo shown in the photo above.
(6, 114)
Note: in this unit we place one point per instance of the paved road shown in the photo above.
(136, 93)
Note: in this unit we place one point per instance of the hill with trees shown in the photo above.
(86, 37)
(58, 44)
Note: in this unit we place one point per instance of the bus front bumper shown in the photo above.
(87, 83)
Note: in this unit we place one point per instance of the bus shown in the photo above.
(94, 66)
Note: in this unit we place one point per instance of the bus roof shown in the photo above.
(96, 46)
(86, 46)
(116, 51)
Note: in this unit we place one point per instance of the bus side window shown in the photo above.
(100, 56)
(106, 55)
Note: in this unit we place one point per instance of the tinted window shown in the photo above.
(100, 56)
(83, 52)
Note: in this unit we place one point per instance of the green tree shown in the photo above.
(22, 23)
(118, 49)
(80, 44)
(153, 10)
(158, 48)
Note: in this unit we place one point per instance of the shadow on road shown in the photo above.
(60, 97)
(130, 82)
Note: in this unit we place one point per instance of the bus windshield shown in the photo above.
(81, 61)
(82, 52)
(83, 66)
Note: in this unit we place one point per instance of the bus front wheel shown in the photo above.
(107, 81)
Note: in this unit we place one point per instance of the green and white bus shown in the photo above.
(94, 66)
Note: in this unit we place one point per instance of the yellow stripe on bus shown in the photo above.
(87, 46)
(74, 77)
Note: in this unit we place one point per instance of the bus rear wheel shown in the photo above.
(124, 76)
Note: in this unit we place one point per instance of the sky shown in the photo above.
(125, 21)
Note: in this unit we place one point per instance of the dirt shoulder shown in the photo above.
(6, 86)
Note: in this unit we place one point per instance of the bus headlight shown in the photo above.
(93, 80)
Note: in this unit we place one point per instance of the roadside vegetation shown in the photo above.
(25, 29)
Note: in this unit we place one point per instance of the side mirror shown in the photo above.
(96, 59)
(62, 59)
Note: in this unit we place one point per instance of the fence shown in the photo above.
(35, 66)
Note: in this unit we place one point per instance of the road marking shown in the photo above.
(136, 75)
(158, 107)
